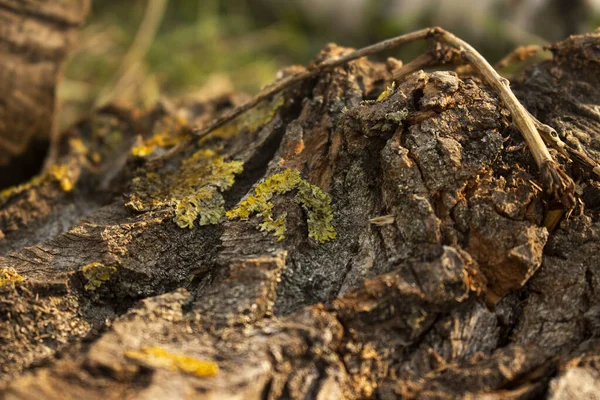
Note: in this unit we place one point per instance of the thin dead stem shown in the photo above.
(555, 181)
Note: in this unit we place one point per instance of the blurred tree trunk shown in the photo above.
(35, 37)
(124, 278)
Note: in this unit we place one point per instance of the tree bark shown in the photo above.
(440, 281)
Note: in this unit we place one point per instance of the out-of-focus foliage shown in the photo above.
(206, 47)
(202, 48)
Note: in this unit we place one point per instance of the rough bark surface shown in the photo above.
(456, 291)
(35, 36)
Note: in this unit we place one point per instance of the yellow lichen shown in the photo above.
(58, 173)
(168, 132)
(162, 139)
(251, 121)
(78, 146)
(387, 92)
(96, 157)
(316, 202)
(97, 273)
(14, 190)
(61, 174)
(194, 190)
(158, 357)
(206, 202)
(9, 276)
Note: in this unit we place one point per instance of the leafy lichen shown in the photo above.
(206, 202)
(316, 202)
(158, 357)
(194, 190)
(9, 276)
(96, 274)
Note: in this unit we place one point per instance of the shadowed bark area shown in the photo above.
(123, 277)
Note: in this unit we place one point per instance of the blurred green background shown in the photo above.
(135, 51)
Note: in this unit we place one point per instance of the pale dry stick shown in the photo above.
(555, 181)
(441, 54)
(438, 55)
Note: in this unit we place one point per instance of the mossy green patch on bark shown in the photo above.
(316, 202)
(193, 190)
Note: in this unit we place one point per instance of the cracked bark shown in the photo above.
(460, 293)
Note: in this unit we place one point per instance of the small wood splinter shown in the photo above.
(557, 184)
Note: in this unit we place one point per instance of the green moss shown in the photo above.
(96, 274)
(9, 276)
(193, 190)
(316, 202)
(106, 132)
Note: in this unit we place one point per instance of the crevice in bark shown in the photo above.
(24, 166)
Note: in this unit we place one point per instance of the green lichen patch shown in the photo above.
(206, 203)
(193, 190)
(397, 116)
(96, 274)
(9, 276)
(316, 202)
(251, 121)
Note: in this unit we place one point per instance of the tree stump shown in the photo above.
(332, 243)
